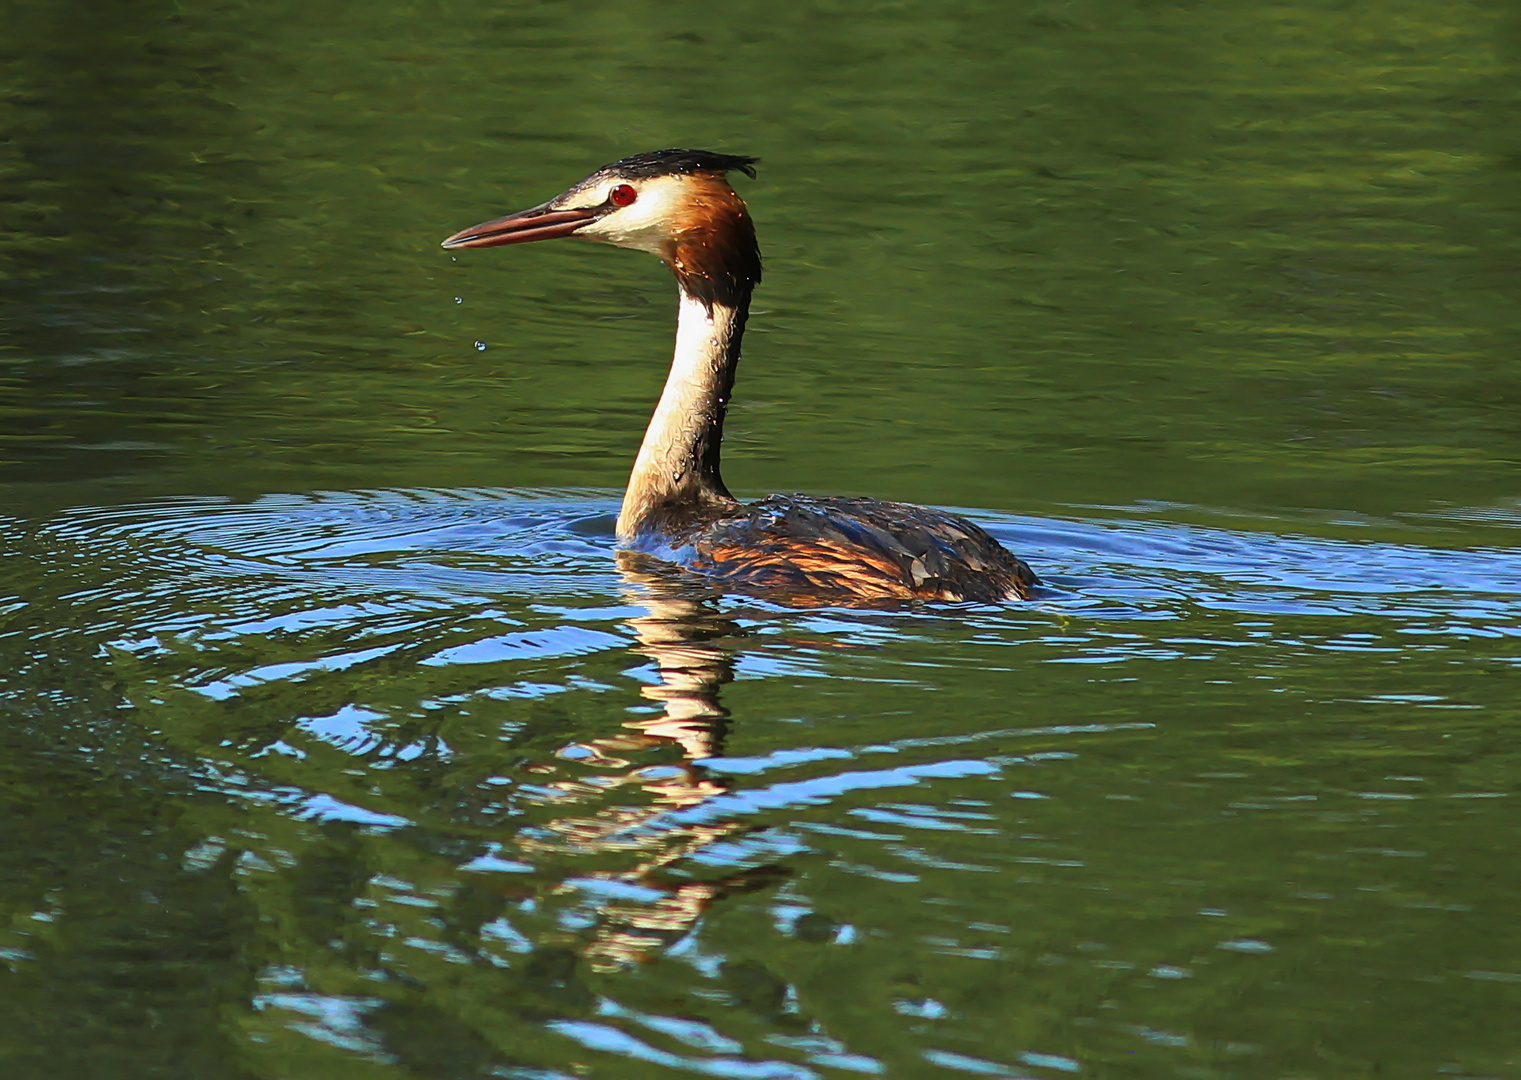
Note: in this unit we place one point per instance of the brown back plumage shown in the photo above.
(862, 549)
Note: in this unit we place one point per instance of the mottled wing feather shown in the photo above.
(861, 548)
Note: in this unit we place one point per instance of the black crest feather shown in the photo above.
(680, 163)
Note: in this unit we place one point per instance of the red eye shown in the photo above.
(622, 195)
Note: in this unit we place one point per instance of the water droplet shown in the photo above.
(480, 346)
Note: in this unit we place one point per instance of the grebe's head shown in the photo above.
(676, 204)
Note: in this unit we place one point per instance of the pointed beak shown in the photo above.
(540, 223)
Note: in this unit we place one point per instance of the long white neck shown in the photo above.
(676, 473)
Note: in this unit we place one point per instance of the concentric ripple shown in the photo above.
(480, 786)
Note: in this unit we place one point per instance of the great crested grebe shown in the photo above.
(678, 205)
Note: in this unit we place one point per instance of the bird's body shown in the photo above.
(678, 205)
(818, 549)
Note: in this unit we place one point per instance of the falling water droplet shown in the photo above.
(480, 346)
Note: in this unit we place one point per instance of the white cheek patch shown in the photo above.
(645, 224)
(590, 197)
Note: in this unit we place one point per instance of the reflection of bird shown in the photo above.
(693, 650)
(678, 205)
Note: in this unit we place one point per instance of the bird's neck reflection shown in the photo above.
(693, 649)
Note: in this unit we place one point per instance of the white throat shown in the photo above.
(677, 467)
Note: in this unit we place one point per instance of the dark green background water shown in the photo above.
(333, 744)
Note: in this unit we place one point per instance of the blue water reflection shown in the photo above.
(436, 731)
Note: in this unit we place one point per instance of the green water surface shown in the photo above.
(333, 743)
